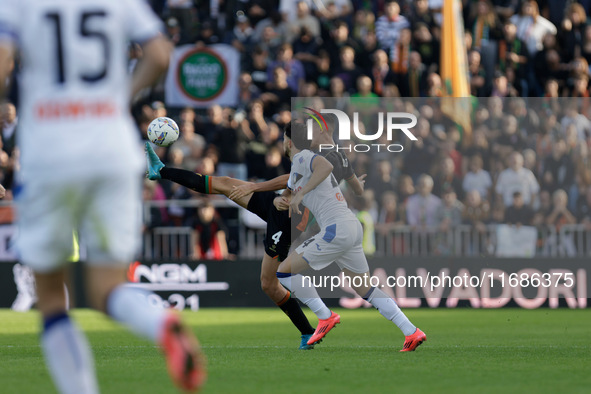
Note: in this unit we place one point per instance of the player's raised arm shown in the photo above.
(152, 65)
(321, 169)
(357, 183)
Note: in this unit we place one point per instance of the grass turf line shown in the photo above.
(255, 351)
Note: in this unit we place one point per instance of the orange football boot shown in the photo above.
(411, 342)
(324, 326)
(185, 361)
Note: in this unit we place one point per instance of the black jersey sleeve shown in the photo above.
(342, 168)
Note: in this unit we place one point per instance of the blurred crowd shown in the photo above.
(526, 162)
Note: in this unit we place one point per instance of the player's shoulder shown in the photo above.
(303, 156)
(336, 157)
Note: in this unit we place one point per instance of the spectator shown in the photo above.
(294, 70)
(586, 45)
(399, 53)
(476, 211)
(517, 213)
(515, 178)
(389, 216)
(559, 170)
(241, 36)
(210, 234)
(544, 209)
(477, 74)
(257, 68)
(191, 145)
(380, 71)
(275, 26)
(532, 27)
(348, 71)
(364, 99)
(322, 74)
(584, 208)
(389, 26)
(572, 33)
(336, 9)
(207, 34)
(510, 138)
(232, 142)
(434, 85)
(340, 38)
(247, 91)
(424, 43)
(513, 55)
(8, 125)
(448, 216)
(422, 16)
(279, 92)
(363, 23)
(303, 19)
(362, 206)
(182, 17)
(581, 123)
(484, 24)
(422, 207)
(414, 82)
(259, 10)
(449, 213)
(422, 152)
(477, 178)
(305, 48)
(502, 87)
(382, 180)
(446, 179)
(560, 214)
(559, 217)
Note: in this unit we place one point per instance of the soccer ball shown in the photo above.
(163, 131)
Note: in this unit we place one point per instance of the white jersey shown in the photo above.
(74, 85)
(326, 202)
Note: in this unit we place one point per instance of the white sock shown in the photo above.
(68, 356)
(390, 310)
(306, 293)
(130, 306)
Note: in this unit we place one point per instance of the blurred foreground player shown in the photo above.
(312, 184)
(258, 200)
(81, 166)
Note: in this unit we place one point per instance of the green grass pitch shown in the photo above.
(255, 351)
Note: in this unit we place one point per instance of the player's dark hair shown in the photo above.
(297, 133)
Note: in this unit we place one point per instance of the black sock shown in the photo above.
(292, 309)
(194, 181)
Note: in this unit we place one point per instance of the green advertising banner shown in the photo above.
(203, 76)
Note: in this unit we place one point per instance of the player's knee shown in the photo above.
(222, 181)
(269, 285)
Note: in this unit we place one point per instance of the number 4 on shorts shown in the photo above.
(277, 236)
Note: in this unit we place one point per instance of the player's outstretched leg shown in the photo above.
(390, 310)
(200, 183)
(307, 293)
(130, 307)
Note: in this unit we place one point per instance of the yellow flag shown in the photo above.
(454, 68)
